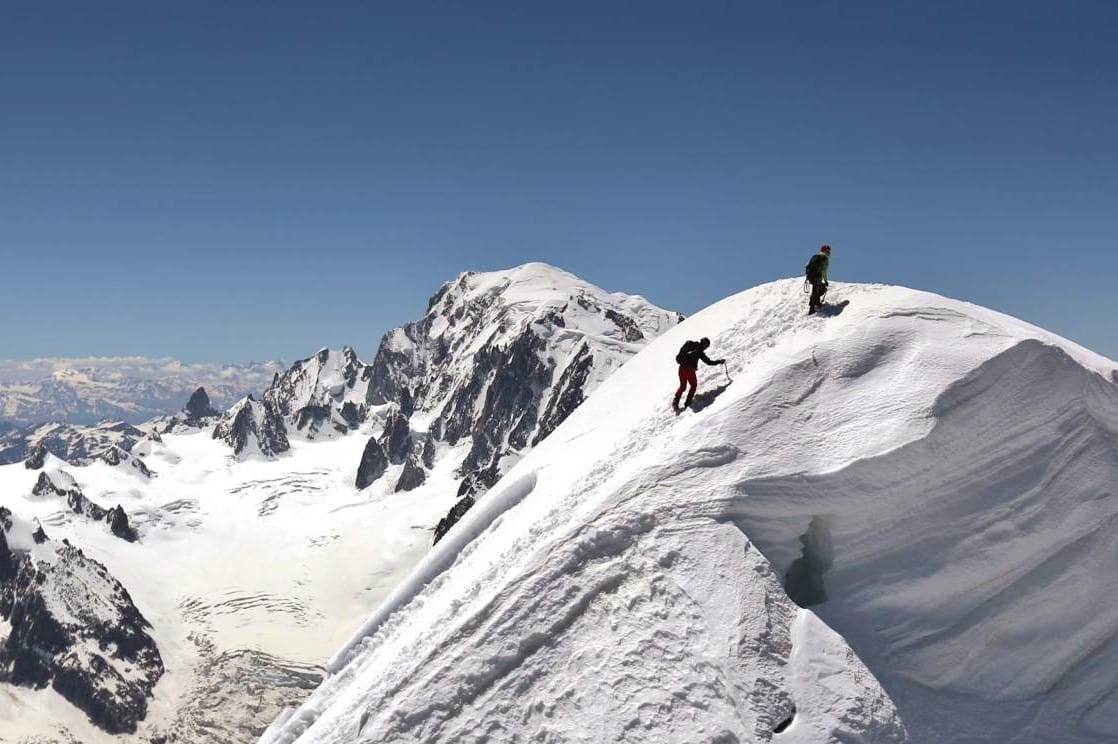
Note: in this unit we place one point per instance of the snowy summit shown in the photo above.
(932, 482)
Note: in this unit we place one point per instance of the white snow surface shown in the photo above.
(937, 480)
(277, 556)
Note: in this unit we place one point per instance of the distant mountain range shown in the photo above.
(129, 389)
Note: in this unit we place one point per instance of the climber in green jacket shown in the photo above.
(816, 271)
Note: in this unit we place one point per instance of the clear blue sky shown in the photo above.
(232, 181)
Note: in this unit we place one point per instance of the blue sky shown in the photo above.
(240, 181)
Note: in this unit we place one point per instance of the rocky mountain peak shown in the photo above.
(62, 484)
(500, 359)
(198, 407)
(253, 427)
(322, 395)
(73, 627)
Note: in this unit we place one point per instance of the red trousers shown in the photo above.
(686, 377)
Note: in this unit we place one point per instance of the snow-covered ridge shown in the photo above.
(934, 479)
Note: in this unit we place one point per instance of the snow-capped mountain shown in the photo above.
(252, 427)
(498, 360)
(72, 443)
(253, 560)
(71, 626)
(322, 395)
(86, 391)
(501, 358)
(933, 482)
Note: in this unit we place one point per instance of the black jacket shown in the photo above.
(690, 355)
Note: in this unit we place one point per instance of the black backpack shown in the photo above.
(685, 351)
(814, 268)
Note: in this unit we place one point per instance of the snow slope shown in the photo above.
(937, 481)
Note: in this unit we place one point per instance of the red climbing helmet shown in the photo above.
(825, 249)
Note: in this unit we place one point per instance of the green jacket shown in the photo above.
(824, 265)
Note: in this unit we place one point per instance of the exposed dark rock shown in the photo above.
(198, 413)
(396, 438)
(118, 524)
(44, 486)
(374, 461)
(198, 407)
(7, 560)
(428, 456)
(116, 456)
(77, 445)
(312, 418)
(351, 414)
(412, 476)
(13, 446)
(63, 485)
(140, 467)
(456, 513)
(503, 394)
(322, 392)
(39, 535)
(36, 457)
(391, 374)
(253, 425)
(75, 628)
(478, 482)
(567, 394)
(627, 325)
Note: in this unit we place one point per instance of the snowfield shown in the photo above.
(251, 573)
(937, 482)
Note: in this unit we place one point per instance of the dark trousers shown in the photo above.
(686, 377)
(818, 289)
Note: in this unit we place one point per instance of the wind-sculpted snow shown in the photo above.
(934, 479)
(997, 530)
